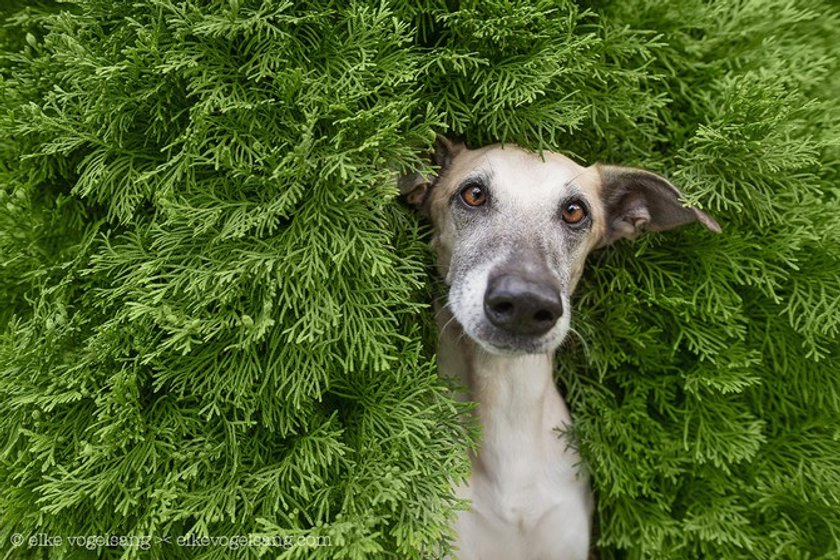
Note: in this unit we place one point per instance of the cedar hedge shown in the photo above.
(215, 313)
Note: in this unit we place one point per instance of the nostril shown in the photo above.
(522, 305)
(502, 308)
(544, 316)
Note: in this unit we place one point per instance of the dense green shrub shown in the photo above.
(214, 311)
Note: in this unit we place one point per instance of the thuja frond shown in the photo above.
(214, 313)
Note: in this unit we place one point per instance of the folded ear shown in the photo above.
(636, 200)
(416, 187)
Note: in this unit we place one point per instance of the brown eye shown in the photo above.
(573, 212)
(474, 194)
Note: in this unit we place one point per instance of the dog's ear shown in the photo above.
(636, 200)
(416, 187)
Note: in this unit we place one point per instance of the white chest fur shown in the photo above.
(529, 498)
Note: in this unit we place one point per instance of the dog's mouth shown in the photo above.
(494, 338)
(511, 310)
(498, 341)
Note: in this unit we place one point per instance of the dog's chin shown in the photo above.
(495, 341)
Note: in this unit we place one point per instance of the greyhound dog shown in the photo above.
(511, 232)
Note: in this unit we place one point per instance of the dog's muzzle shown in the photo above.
(522, 305)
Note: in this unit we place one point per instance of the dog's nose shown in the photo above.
(521, 305)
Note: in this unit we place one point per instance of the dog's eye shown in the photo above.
(474, 194)
(573, 212)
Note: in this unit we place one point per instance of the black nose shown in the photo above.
(521, 305)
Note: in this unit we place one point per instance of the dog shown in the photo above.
(511, 232)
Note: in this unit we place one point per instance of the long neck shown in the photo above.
(518, 404)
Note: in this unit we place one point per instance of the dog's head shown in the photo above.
(512, 231)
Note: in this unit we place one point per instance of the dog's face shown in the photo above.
(512, 231)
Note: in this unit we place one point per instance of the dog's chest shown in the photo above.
(529, 501)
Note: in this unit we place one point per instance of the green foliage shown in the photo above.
(214, 325)
(215, 313)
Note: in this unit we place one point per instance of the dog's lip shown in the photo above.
(495, 341)
(508, 350)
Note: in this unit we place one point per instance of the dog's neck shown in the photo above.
(518, 404)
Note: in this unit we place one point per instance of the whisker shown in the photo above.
(579, 336)
(447, 323)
